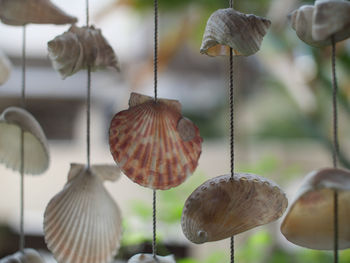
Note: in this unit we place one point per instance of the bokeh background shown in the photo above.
(282, 118)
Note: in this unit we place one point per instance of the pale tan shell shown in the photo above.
(21, 12)
(309, 221)
(229, 28)
(221, 207)
(148, 258)
(36, 150)
(5, 68)
(109, 172)
(79, 48)
(82, 223)
(28, 256)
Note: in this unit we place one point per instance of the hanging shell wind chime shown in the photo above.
(324, 193)
(227, 205)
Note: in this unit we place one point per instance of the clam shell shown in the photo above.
(5, 68)
(152, 144)
(21, 12)
(28, 256)
(221, 207)
(79, 48)
(148, 258)
(309, 221)
(108, 172)
(82, 223)
(229, 28)
(36, 150)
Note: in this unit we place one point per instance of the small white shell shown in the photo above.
(28, 256)
(36, 150)
(79, 48)
(229, 28)
(21, 12)
(82, 223)
(310, 219)
(5, 68)
(148, 258)
(109, 172)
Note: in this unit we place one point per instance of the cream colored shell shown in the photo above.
(109, 172)
(221, 207)
(79, 48)
(36, 150)
(28, 256)
(229, 28)
(148, 258)
(309, 221)
(82, 223)
(5, 68)
(21, 12)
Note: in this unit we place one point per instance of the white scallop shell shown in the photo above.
(36, 150)
(28, 256)
(79, 48)
(82, 223)
(148, 258)
(109, 172)
(229, 28)
(5, 68)
(310, 219)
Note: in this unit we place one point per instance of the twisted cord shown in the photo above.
(88, 118)
(155, 62)
(23, 97)
(87, 13)
(335, 148)
(154, 248)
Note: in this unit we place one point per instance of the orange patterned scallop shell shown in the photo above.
(153, 144)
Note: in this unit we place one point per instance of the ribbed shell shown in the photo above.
(153, 144)
(5, 68)
(21, 12)
(221, 207)
(109, 172)
(28, 256)
(310, 219)
(148, 258)
(36, 150)
(229, 28)
(79, 48)
(82, 223)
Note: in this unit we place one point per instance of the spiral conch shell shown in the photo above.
(222, 207)
(36, 150)
(79, 48)
(28, 256)
(21, 12)
(153, 144)
(82, 223)
(310, 219)
(5, 68)
(315, 25)
(229, 28)
(148, 258)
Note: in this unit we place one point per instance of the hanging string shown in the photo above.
(88, 100)
(154, 248)
(335, 148)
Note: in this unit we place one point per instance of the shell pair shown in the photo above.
(222, 207)
(148, 258)
(13, 121)
(228, 28)
(82, 223)
(316, 24)
(28, 256)
(153, 144)
(80, 48)
(21, 12)
(310, 219)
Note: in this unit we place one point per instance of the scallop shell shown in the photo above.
(36, 150)
(82, 223)
(153, 144)
(21, 12)
(309, 221)
(229, 28)
(148, 258)
(108, 172)
(79, 48)
(5, 68)
(28, 256)
(221, 207)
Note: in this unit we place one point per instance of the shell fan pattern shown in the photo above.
(82, 223)
(21, 12)
(221, 207)
(80, 48)
(153, 144)
(36, 150)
